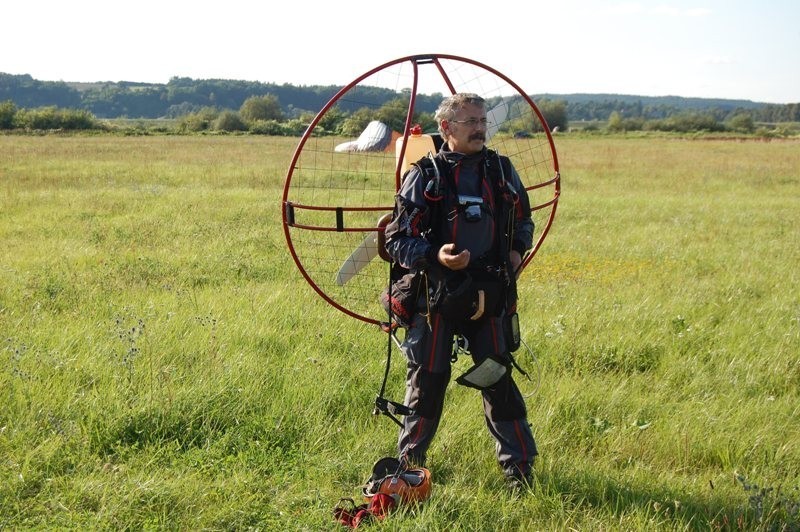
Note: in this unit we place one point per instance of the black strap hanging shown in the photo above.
(390, 409)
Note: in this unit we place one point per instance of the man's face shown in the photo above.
(466, 132)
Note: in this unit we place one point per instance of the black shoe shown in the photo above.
(518, 484)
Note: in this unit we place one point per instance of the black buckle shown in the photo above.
(391, 409)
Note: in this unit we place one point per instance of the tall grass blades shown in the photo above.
(165, 366)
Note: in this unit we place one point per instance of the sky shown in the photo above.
(732, 49)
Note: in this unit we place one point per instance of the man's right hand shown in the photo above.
(449, 259)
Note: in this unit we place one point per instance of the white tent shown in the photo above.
(376, 137)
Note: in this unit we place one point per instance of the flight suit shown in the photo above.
(463, 210)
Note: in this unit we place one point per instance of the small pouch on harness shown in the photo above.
(511, 331)
(455, 298)
(461, 297)
(400, 300)
(486, 374)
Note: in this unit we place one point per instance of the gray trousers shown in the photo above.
(428, 350)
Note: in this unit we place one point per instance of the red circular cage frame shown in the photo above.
(290, 206)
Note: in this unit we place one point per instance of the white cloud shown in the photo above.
(627, 8)
(672, 11)
(698, 12)
(717, 60)
(668, 11)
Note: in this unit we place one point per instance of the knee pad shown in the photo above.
(504, 402)
(427, 392)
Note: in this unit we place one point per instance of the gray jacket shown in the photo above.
(465, 213)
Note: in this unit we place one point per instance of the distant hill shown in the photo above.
(676, 101)
(582, 106)
(183, 95)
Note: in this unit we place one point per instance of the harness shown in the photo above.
(441, 197)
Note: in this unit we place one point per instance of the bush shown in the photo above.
(741, 122)
(77, 119)
(41, 118)
(331, 121)
(7, 112)
(199, 121)
(52, 117)
(615, 122)
(261, 108)
(618, 124)
(266, 127)
(229, 121)
(353, 125)
(686, 122)
(295, 127)
(290, 128)
(555, 114)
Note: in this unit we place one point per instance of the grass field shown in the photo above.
(164, 365)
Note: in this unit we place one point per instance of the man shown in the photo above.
(462, 220)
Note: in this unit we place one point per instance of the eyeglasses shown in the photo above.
(472, 122)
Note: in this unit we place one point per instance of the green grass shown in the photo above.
(164, 365)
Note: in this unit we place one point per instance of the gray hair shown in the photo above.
(447, 109)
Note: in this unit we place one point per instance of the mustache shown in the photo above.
(478, 136)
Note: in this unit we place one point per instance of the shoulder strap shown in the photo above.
(431, 172)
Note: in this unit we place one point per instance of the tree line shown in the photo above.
(602, 107)
(234, 105)
(181, 96)
(265, 115)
